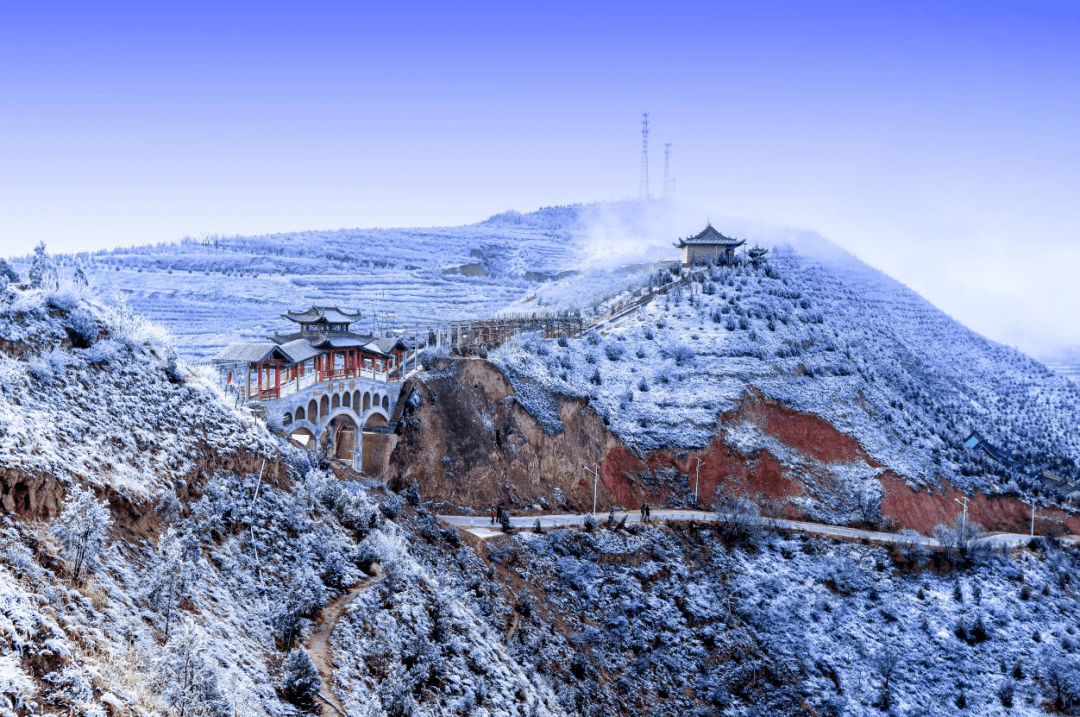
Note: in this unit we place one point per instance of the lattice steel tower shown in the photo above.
(667, 170)
(643, 182)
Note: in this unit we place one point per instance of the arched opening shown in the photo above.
(304, 438)
(356, 401)
(300, 415)
(312, 411)
(377, 444)
(286, 419)
(335, 402)
(324, 406)
(346, 399)
(343, 433)
(386, 403)
(367, 401)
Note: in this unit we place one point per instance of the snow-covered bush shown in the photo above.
(187, 676)
(300, 681)
(82, 528)
(43, 274)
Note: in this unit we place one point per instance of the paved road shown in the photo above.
(481, 526)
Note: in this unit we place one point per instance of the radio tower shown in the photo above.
(643, 182)
(667, 170)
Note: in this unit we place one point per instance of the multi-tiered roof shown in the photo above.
(710, 237)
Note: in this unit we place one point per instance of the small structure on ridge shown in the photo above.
(709, 247)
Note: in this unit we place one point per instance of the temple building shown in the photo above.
(323, 381)
(709, 247)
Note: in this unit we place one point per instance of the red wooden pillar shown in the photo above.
(260, 380)
(249, 381)
(277, 379)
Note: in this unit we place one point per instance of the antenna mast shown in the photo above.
(643, 182)
(667, 170)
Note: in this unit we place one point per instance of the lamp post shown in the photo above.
(963, 522)
(697, 479)
(595, 470)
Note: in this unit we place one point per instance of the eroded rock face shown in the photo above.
(465, 439)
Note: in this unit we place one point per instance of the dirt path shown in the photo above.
(513, 627)
(318, 644)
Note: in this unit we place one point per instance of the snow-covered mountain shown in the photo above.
(161, 553)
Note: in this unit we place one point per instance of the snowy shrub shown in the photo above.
(6, 272)
(187, 676)
(305, 595)
(614, 352)
(595, 378)
(680, 353)
(130, 328)
(84, 327)
(1060, 679)
(176, 567)
(300, 681)
(82, 529)
(592, 338)
(16, 687)
(43, 274)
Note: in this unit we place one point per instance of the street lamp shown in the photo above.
(595, 470)
(963, 523)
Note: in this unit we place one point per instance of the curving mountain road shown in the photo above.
(481, 527)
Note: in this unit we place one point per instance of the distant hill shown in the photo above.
(1066, 362)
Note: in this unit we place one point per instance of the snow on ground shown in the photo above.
(830, 337)
(91, 390)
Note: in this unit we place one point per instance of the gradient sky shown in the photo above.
(937, 141)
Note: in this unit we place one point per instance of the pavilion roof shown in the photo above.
(709, 236)
(317, 339)
(250, 352)
(389, 344)
(299, 350)
(322, 314)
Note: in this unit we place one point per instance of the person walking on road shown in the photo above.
(642, 512)
(648, 512)
(493, 516)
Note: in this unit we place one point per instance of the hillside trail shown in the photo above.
(318, 643)
(514, 622)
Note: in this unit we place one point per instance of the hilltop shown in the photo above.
(812, 384)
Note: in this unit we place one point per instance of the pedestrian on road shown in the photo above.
(648, 514)
(493, 516)
(642, 512)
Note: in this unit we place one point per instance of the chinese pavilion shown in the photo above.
(709, 247)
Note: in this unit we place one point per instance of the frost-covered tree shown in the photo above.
(174, 571)
(43, 273)
(82, 528)
(300, 681)
(187, 678)
(7, 275)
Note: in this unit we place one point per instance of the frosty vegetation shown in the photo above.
(833, 339)
(170, 578)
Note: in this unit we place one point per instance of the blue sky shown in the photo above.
(938, 141)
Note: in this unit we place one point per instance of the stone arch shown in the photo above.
(300, 415)
(335, 402)
(377, 413)
(312, 411)
(346, 400)
(286, 419)
(324, 408)
(304, 434)
(343, 430)
(356, 401)
(386, 403)
(367, 401)
(377, 443)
